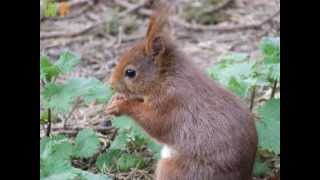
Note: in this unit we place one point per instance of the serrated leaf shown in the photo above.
(108, 159)
(67, 61)
(260, 168)
(238, 87)
(57, 147)
(270, 48)
(86, 144)
(120, 141)
(48, 70)
(269, 126)
(55, 157)
(85, 175)
(128, 161)
(57, 97)
(128, 127)
(61, 97)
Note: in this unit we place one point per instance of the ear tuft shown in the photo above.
(157, 46)
(159, 27)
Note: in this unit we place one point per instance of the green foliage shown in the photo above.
(56, 153)
(269, 126)
(86, 143)
(129, 133)
(235, 72)
(261, 168)
(115, 159)
(130, 130)
(61, 97)
(128, 161)
(66, 63)
(240, 74)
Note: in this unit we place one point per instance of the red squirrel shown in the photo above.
(207, 133)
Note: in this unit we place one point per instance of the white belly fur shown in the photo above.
(167, 152)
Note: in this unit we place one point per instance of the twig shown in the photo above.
(253, 96)
(274, 88)
(49, 123)
(72, 34)
(71, 112)
(131, 8)
(218, 7)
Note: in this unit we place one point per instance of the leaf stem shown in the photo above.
(274, 88)
(49, 123)
(71, 112)
(253, 96)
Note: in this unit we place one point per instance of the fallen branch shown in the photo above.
(72, 34)
(131, 8)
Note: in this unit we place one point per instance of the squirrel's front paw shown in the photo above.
(114, 107)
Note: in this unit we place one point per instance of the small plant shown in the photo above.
(65, 97)
(129, 134)
(57, 151)
(244, 76)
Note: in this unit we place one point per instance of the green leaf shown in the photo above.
(57, 97)
(240, 88)
(129, 128)
(269, 126)
(57, 147)
(48, 71)
(234, 57)
(61, 97)
(128, 161)
(270, 48)
(108, 160)
(120, 141)
(67, 61)
(85, 175)
(55, 157)
(43, 117)
(260, 168)
(86, 143)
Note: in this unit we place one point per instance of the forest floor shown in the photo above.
(100, 30)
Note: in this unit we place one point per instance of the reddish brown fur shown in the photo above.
(179, 106)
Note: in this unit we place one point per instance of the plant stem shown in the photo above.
(274, 88)
(71, 112)
(253, 96)
(49, 123)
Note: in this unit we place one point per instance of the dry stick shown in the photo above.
(131, 8)
(49, 123)
(71, 112)
(253, 96)
(72, 34)
(274, 88)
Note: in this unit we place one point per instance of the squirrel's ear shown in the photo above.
(156, 46)
(158, 31)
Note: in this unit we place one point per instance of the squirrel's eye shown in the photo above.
(130, 73)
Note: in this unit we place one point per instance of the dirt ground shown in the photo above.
(86, 31)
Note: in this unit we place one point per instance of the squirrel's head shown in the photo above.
(140, 68)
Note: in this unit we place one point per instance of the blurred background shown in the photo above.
(100, 30)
